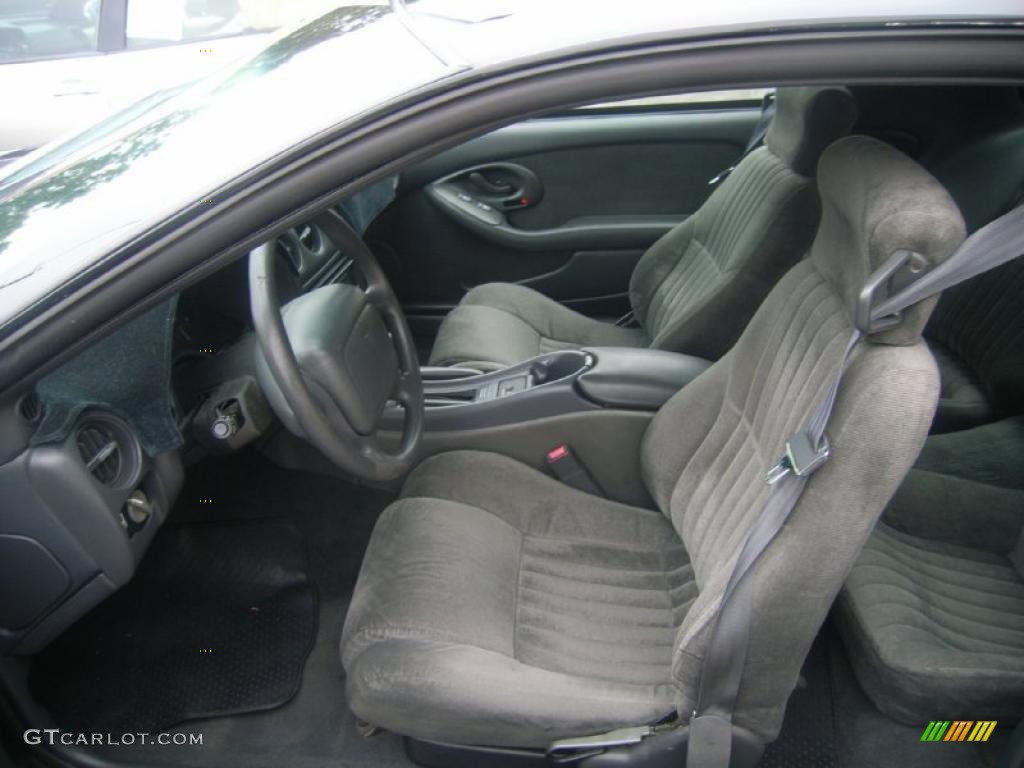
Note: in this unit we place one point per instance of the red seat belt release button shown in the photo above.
(571, 471)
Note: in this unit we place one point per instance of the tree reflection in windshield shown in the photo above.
(334, 24)
(75, 180)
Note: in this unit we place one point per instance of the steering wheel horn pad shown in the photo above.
(331, 359)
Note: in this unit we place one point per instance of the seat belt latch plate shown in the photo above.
(802, 457)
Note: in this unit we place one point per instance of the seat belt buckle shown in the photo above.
(571, 471)
(802, 457)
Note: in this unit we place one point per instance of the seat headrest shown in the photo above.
(806, 121)
(876, 201)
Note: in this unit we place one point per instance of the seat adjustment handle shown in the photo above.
(568, 750)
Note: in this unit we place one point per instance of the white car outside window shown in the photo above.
(64, 64)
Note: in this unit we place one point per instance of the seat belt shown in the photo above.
(764, 122)
(711, 728)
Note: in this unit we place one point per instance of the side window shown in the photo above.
(162, 22)
(36, 29)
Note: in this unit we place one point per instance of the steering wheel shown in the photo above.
(330, 360)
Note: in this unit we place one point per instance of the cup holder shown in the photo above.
(465, 386)
(556, 366)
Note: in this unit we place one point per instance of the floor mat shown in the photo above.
(218, 620)
(808, 738)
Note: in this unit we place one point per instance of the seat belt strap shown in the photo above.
(710, 741)
(764, 122)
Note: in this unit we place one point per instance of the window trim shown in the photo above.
(627, 107)
(112, 34)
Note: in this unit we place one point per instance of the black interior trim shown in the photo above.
(581, 129)
(593, 232)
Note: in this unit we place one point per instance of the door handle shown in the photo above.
(598, 232)
(502, 188)
(505, 186)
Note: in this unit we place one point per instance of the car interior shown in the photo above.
(456, 473)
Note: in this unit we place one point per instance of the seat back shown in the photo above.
(697, 287)
(706, 452)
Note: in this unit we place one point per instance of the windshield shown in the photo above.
(62, 211)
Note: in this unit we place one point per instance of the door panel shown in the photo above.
(566, 205)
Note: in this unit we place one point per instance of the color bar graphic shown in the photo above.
(958, 730)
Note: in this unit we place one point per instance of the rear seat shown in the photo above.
(977, 330)
(977, 337)
(933, 611)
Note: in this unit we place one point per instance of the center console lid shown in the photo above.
(640, 379)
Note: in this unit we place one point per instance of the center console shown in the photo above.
(553, 384)
(597, 401)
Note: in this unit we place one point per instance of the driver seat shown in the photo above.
(499, 607)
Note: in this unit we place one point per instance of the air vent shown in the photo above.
(31, 408)
(101, 450)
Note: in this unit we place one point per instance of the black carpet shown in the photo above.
(219, 620)
(315, 728)
(808, 738)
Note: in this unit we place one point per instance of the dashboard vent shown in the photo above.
(31, 408)
(101, 451)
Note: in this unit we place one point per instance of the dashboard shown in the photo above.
(93, 459)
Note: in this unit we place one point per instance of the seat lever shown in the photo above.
(571, 750)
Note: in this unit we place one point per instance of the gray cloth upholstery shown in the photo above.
(499, 607)
(501, 324)
(913, 215)
(963, 402)
(695, 289)
(933, 611)
(977, 335)
(806, 121)
(934, 630)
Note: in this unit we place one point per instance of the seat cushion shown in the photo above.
(498, 606)
(963, 403)
(935, 630)
(500, 324)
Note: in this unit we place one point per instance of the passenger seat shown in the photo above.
(696, 288)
